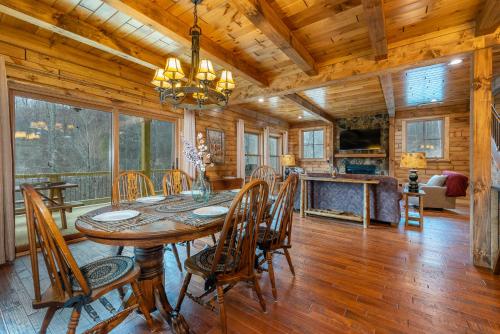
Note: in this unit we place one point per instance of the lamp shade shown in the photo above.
(413, 160)
(173, 69)
(206, 71)
(226, 81)
(159, 75)
(287, 160)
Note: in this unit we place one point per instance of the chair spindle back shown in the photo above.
(175, 181)
(265, 173)
(44, 233)
(279, 222)
(235, 252)
(129, 186)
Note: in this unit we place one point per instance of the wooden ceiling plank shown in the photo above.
(374, 16)
(434, 50)
(262, 15)
(151, 14)
(388, 90)
(488, 19)
(312, 108)
(49, 18)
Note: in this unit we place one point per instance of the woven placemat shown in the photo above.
(189, 204)
(117, 226)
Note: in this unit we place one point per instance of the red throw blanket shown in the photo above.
(456, 184)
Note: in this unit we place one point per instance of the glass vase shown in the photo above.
(201, 189)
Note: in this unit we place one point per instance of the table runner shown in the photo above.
(189, 204)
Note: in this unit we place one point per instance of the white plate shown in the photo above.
(235, 190)
(150, 199)
(211, 211)
(190, 192)
(114, 216)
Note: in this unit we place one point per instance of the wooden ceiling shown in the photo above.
(307, 48)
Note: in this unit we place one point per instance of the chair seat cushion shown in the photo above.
(261, 233)
(105, 271)
(202, 262)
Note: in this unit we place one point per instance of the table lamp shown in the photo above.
(413, 161)
(287, 160)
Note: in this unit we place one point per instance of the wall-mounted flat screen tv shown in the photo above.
(368, 139)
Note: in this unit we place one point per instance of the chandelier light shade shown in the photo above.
(226, 81)
(206, 71)
(200, 90)
(173, 69)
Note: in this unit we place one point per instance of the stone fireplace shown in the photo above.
(364, 165)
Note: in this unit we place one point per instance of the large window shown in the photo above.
(66, 145)
(252, 152)
(313, 146)
(426, 136)
(147, 145)
(274, 153)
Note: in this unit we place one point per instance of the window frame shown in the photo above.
(259, 147)
(301, 142)
(445, 139)
(279, 146)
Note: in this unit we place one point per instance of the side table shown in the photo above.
(420, 218)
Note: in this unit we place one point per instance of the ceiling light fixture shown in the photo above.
(300, 117)
(261, 99)
(198, 92)
(455, 61)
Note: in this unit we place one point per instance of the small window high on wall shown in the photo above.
(313, 144)
(426, 135)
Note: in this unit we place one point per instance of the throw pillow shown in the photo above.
(437, 180)
(456, 184)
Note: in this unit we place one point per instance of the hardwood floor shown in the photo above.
(380, 280)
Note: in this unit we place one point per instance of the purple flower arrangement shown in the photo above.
(198, 156)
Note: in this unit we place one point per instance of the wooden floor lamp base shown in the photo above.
(150, 261)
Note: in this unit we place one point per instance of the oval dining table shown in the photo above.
(148, 241)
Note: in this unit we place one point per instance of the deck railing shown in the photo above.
(93, 187)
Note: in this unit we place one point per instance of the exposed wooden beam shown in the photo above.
(46, 17)
(388, 90)
(374, 16)
(312, 108)
(262, 15)
(488, 19)
(153, 15)
(480, 169)
(425, 51)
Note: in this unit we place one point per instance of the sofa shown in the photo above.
(348, 197)
(442, 194)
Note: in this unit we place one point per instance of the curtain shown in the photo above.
(7, 228)
(240, 149)
(284, 148)
(285, 142)
(189, 134)
(266, 153)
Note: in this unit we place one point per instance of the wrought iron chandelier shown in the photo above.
(198, 91)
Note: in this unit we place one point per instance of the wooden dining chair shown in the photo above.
(72, 286)
(128, 187)
(232, 260)
(265, 173)
(276, 234)
(174, 181)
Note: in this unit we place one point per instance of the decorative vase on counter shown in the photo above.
(201, 189)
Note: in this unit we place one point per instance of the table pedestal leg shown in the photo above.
(150, 260)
